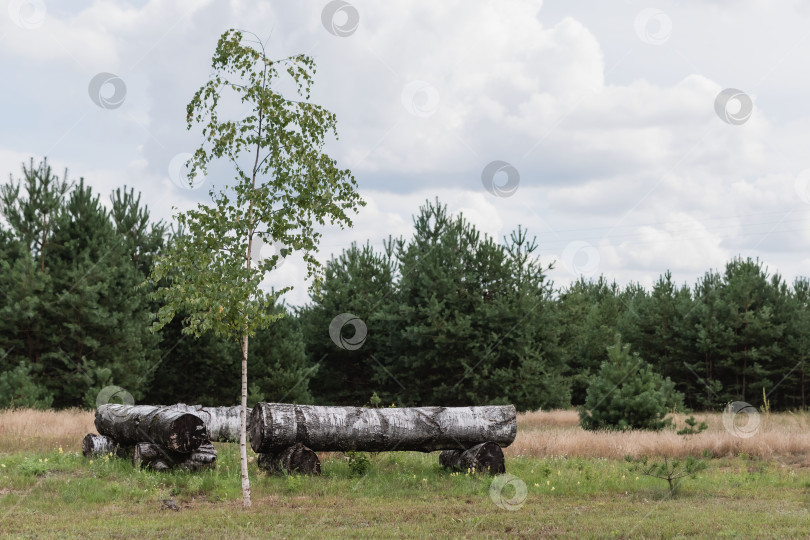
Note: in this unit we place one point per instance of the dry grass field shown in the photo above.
(782, 436)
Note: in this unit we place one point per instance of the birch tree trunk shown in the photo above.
(243, 425)
(131, 424)
(222, 423)
(276, 426)
(484, 457)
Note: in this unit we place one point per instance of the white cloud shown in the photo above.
(616, 140)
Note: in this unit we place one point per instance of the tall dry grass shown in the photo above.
(557, 433)
(540, 434)
(32, 430)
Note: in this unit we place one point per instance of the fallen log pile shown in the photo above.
(155, 436)
(286, 437)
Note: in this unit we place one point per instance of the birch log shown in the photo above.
(158, 458)
(131, 424)
(484, 457)
(275, 426)
(294, 459)
(100, 445)
(221, 423)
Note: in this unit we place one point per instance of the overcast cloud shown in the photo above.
(605, 110)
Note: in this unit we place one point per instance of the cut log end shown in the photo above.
(100, 445)
(294, 459)
(485, 457)
(187, 433)
(131, 424)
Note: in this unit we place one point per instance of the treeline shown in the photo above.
(446, 317)
(75, 311)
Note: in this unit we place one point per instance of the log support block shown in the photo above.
(156, 457)
(485, 457)
(291, 460)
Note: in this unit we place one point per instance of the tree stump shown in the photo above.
(276, 426)
(484, 457)
(294, 459)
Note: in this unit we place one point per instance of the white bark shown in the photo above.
(275, 426)
(222, 423)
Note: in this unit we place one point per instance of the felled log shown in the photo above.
(156, 457)
(276, 426)
(131, 424)
(484, 457)
(100, 445)
(221, 423)
(294, 459)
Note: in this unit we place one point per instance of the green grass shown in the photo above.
(402, 494)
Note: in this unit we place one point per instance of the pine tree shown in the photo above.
(359, 282)
(627, 394)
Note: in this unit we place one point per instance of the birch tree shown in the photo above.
(285, 188)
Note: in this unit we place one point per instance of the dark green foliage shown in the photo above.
(588, 314)
(627, 394)
(473, 319)
(19, 389)
(361, 282)
(71, 317)
(205, 370)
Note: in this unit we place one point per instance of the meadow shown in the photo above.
(577, 484)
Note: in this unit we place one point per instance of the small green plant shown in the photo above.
(375, 401)
(293, 483)
(766, 405)
(673, 471)
(358, 463)
(692, 427)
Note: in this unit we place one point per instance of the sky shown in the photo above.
(630, 137)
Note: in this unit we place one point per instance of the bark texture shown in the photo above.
(130, 424)
(221, 423)
(484, 457)
(294, 459)
(159, 458)
(276, 426)
(100, 445)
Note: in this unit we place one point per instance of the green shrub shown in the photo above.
(627, 394)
